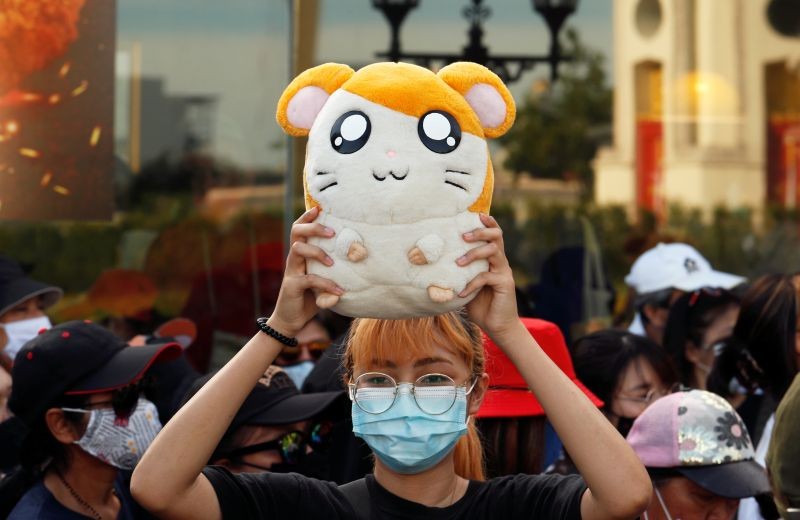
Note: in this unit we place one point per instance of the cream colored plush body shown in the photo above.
(399, 208)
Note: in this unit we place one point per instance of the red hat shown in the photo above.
(508, 394)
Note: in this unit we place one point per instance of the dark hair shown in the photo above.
(689, 318)
(601, 357)
(761, 352)
(513, 445)
(41, 448)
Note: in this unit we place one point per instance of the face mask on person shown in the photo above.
(662, 504)
(406, 439)
(299, 372)
(119, 442)
(22, 331)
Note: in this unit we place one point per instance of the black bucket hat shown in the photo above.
(77, 358)
(275, 400)
(15, 287)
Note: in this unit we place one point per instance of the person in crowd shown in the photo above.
(515, 433)
(22, 305)
(171, 380)
(762, 356)
(312, 342)
(699, 456)
(784, 454)
(626, 371)
(278, 429)
(415, 384)
(660, 275)
(697, 324)
(78, 389)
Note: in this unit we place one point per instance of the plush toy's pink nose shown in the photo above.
(391, 153)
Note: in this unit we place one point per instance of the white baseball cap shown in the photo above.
(676, 266)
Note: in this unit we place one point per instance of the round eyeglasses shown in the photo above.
(375, 392)
(648, 398)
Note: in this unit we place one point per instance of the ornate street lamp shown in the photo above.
(509, 67)
(555, 13)
(395, 12)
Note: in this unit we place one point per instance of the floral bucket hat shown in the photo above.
(699, 435)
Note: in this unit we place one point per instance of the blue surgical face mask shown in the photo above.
(299, 372)
(408, 440)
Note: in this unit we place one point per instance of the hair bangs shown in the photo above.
(378, 341)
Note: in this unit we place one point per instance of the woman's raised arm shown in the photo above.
(168, 480)
(619, 486)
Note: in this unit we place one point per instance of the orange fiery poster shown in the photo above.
(56, 109)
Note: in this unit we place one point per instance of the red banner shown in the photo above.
(649, 156)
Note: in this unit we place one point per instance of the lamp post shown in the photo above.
(395, 12)
(555, 13)
(509, 67)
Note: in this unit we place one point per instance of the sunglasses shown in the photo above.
(291, 446)
(123, 400)
(315, 348)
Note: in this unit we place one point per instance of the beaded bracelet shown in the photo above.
(269, 331)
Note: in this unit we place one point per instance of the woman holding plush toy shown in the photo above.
(414, 385)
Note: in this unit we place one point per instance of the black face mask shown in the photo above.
(624, 425)
(313, 465)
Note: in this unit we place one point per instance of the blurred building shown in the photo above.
(706, 105)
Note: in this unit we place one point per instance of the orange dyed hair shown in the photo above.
(375, 340)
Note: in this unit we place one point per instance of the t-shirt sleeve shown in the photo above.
(541, 496)
(271, 496)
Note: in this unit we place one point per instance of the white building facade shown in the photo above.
(706, 105)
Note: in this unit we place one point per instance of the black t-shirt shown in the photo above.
(277, 495)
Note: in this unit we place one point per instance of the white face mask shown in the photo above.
(120, 443)
(22, 331)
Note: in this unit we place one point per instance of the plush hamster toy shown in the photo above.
(398, 163)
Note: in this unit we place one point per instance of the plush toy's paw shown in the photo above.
(357, 252)
(439, 294)
(417, 257)
(326, 300)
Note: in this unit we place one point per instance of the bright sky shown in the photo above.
(236, 50)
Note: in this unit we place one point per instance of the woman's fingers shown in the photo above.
(494, 234)
(482, 280)
(302, 252)
(313, 281)
(302, 232)
(484, 252)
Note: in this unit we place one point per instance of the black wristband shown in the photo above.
(269, 331)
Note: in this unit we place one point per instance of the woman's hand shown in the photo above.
(494, 308)
(296, 301)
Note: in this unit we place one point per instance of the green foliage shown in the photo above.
(557, 133)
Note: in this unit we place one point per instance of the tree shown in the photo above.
(558, 132)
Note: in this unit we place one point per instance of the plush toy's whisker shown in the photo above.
(334, 183)
(456, 185)
(323, 173)
(457, 171)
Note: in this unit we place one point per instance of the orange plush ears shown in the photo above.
(302, 100)
(486, 94)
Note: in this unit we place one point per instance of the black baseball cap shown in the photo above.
(77, 358)
(15, 287)
(274, 400)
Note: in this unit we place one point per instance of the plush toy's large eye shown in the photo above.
(350, 132)
(439, 131)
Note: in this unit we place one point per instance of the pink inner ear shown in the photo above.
(488, 104)
(304, 106)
